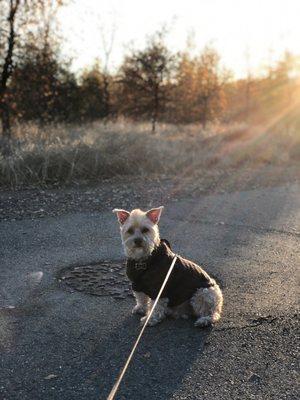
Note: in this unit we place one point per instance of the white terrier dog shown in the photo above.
(189, 290)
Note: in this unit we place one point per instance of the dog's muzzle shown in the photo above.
(138, 242)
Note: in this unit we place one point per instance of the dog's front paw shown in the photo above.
(203, 322)
(137, 309)
(152, 321)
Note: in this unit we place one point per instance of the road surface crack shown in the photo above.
(255, 229)
(263, 320)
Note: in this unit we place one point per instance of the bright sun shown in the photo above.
(247, 34)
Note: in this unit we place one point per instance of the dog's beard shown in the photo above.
(137, 253)
(144, 251)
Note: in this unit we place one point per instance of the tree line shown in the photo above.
(152, 84)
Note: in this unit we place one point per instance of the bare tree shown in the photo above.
(210, 84)
(248, 85)
(199, 91)
(145, 76)
(17, 19)
(9, 15)
(107, 45)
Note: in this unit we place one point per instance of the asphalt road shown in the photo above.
(61, 344)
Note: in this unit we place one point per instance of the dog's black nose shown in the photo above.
(138, 241)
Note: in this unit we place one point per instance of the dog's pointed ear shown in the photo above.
(122, 215)
(154, 214)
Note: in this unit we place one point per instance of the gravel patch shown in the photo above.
(138, 192)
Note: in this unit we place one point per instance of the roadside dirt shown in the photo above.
(128, 192)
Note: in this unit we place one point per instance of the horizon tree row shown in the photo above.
(152, 84)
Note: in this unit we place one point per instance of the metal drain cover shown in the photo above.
(103, 279)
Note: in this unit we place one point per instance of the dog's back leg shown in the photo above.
(207, 305)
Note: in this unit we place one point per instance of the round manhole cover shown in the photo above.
(107, 278)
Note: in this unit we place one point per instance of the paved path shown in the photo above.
(58, 344)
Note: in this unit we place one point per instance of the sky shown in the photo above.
(248, 34)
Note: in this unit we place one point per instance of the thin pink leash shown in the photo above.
(115, 388)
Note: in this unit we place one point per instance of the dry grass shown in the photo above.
(66, 154)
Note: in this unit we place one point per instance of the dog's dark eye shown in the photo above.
(130, 231)
(145, 230)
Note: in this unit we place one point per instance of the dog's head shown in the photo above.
(139, 231)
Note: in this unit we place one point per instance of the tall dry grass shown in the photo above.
(62, 154)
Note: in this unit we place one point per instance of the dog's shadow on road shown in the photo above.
(163, 358)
